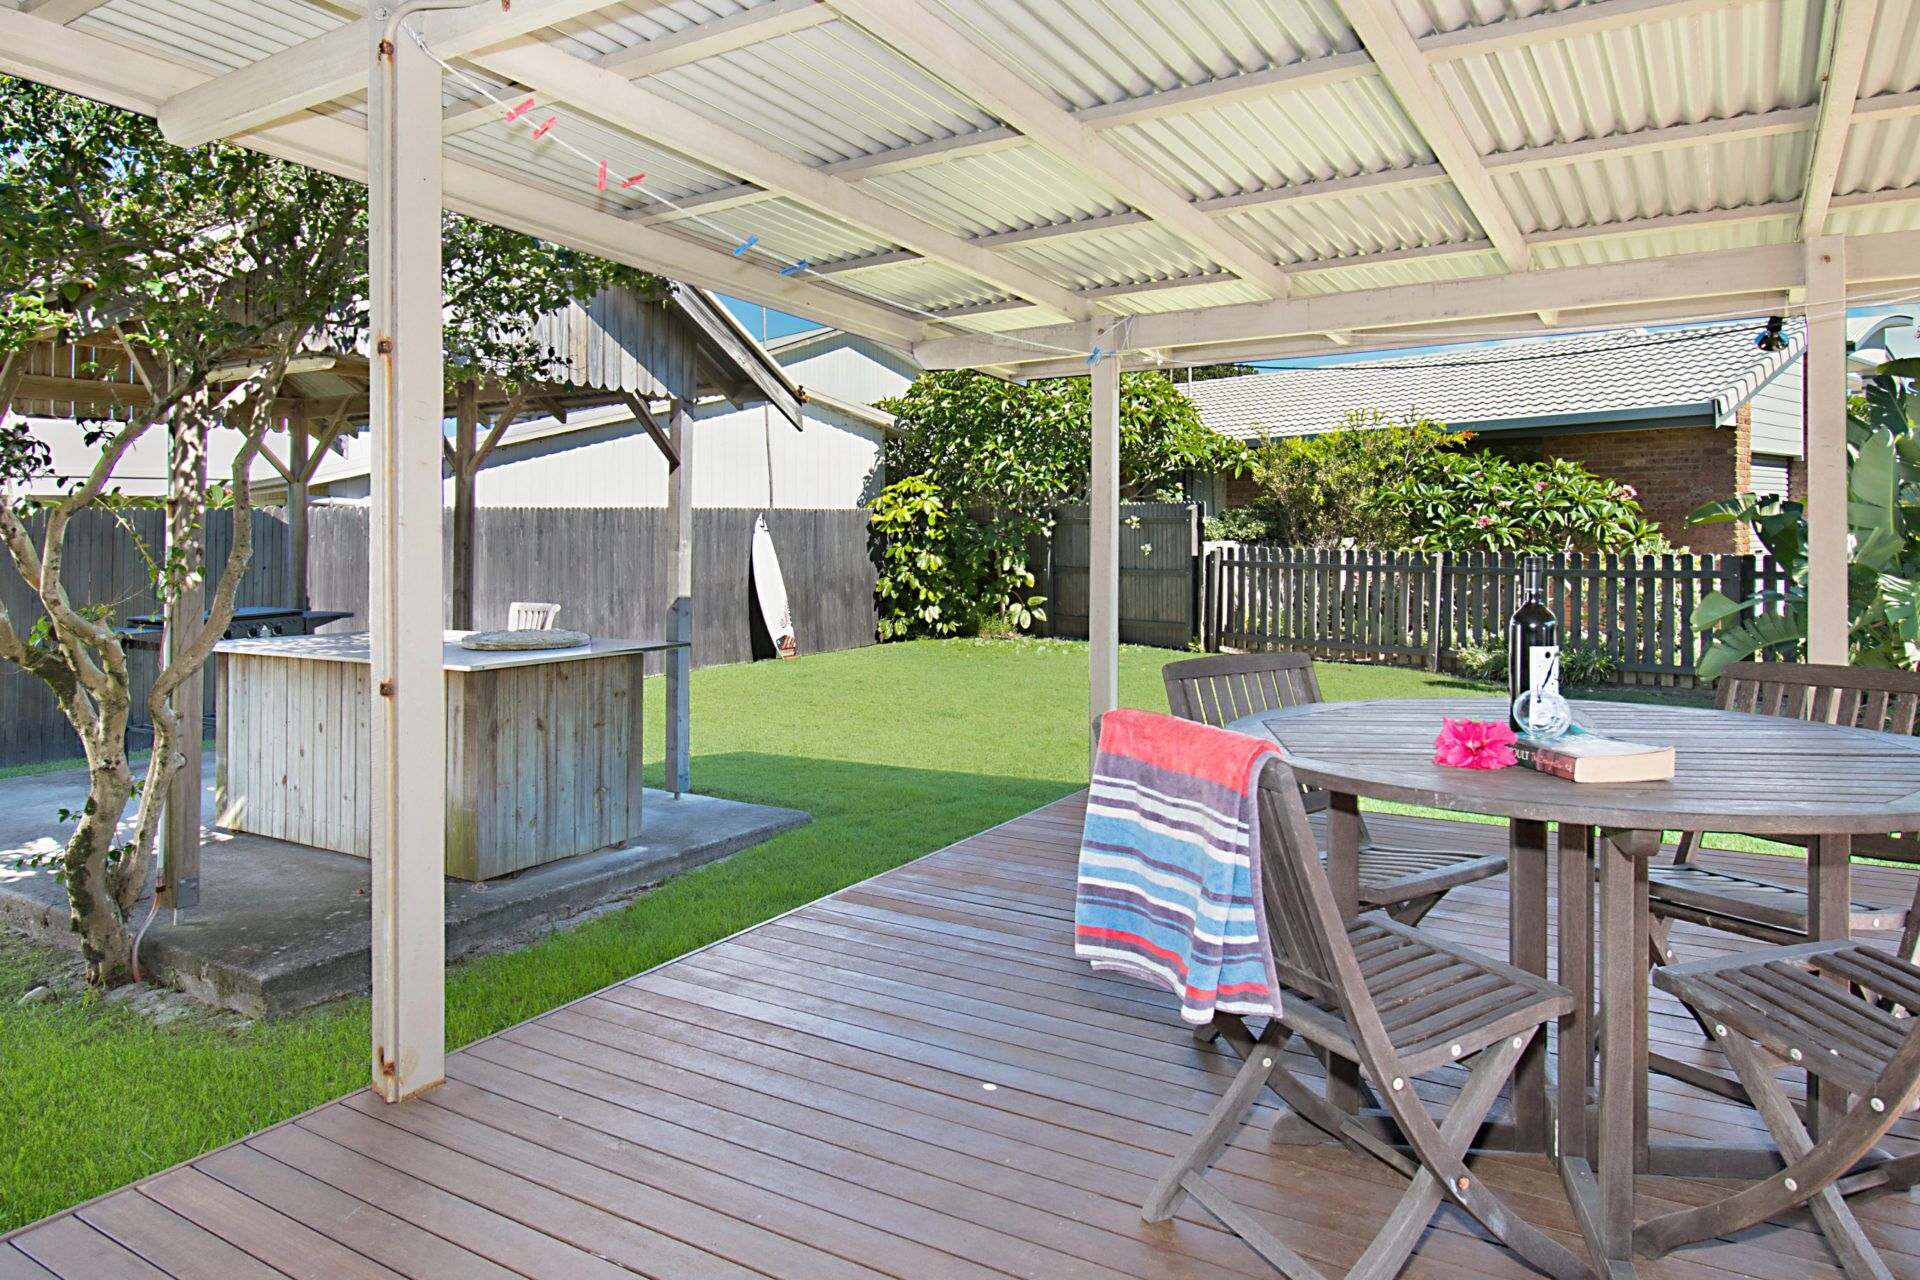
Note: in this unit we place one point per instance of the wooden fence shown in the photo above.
(1159, 551)
(1419, 609)
(105, 565)
(607, 567)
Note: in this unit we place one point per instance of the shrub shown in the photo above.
(1314, 490)
(1485, 502)
(1483, 659)
(941, 571)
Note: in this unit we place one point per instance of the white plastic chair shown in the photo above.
(525, 615)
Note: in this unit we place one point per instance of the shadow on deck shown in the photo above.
(911, 1078)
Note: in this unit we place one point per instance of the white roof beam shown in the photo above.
(113, 73)
(1290, 77)
(334, 65)
(1848, 33)
(60, 11)
(1412, 81)
(916, 32)
(611, 97)
(1759, 124)
(1877, 199)
(1060, 230)
(710, 39)
(893, 160)
(1418, 175)
(1562, 24)
(1880, 106)
(865, 262)
(1691, 277)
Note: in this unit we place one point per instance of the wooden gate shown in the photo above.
(1159, 573)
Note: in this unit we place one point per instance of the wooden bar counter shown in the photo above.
(543, 747)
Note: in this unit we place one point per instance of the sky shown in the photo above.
(778, 324)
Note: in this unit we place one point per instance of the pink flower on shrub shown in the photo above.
(1539, 486)
(1627, 491)
(1474, 744)
(1484, 521)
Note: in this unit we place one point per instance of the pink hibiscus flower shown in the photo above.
(1474, 744)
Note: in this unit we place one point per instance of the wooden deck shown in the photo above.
(912, 1078)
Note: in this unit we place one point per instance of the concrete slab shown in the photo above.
(283, 926)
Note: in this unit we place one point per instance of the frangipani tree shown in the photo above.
(209, 270)
(1883, 568)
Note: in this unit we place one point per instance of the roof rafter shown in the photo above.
(710, 39)
(916, 32)
(1560, 24)
(1848, 32)
(1648, 284)
(609, 96)
(1412, 81)
(60, 11)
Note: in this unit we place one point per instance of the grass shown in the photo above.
(896, 751)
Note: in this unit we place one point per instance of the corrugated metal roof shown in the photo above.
(1721, 175)
(1140, 252)
(1728, 61)
(1088, 52)
(827, 91)
(998, 191)
(1590, 377)
(1319, 132)
(1364, 222)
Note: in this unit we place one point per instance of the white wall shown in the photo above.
(1779, 412)
(856, 370)
(834, 463)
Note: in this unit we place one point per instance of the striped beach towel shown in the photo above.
(1169, 885)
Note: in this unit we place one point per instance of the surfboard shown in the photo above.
(770, 592)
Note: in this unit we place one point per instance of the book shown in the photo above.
(1579, 755)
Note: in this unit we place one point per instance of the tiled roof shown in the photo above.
(1621, 374)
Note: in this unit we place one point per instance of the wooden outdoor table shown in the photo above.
(1760, 775)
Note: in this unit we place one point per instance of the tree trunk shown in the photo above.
(92, 912)
(465, 465)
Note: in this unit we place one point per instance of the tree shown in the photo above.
(977, 465)
(1317, 490)
(209, 270)
(991, 443)
(1883, 566)
(1486, 502)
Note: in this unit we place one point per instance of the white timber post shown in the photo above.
(1103, 513)
(405, 596)
(1826, 307)
(680, 615)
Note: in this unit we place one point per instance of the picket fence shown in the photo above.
(1419, 609)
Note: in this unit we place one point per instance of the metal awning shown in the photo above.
(1248, 177)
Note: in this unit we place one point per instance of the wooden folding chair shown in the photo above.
(1766, 911)
(1830, 1008)
(1407, 883)
(1398, 1003)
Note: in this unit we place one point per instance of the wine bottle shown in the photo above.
(1533, 652)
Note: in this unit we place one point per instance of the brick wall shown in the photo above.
(1241, 491)
(1676, 469)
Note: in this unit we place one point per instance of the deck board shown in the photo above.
(912, 1078)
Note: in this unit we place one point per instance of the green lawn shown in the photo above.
(896, 751)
